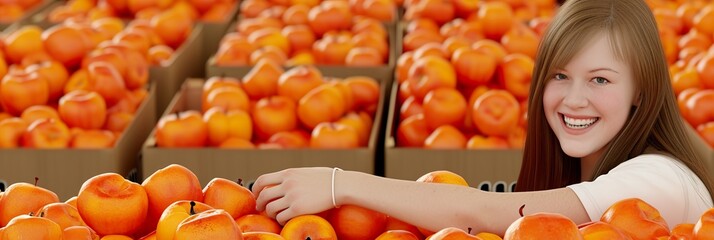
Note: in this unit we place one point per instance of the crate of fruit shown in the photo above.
(173, 37)
(307, 121)
(69, 87)
(488, 163)
(352, 42)
(459, 101)
(214, 17)
(61, 154)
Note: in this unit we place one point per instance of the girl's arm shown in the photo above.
(428, 205)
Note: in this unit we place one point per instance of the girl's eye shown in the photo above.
(560, 76)
(600, 80)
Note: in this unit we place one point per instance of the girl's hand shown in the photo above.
(294, 192)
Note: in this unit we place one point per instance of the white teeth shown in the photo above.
(578, 123)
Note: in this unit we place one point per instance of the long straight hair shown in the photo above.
(655, 122)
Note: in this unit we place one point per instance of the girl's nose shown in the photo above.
(575, 96)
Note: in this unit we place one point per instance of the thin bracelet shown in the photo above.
(333, 186)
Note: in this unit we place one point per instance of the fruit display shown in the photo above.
(443, 107)
(686, 32)
(196, 10)
(157, 35)
(107, 103)
(171, 204)
(166, 32)
(444, 102)
(168, 15)
(271, 119)
(310, 32)
(272, 108)
(79, 84)
(72, 85)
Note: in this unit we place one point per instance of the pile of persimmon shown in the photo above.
(304, 32)
(170, 204)
(463, 83)
(157, 32)
(442, 12)
(77, 84)
(273, 108)
(197, 10)
(13, 10)
(687, 31)
(382, 10)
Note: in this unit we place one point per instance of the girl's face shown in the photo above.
(588, 102)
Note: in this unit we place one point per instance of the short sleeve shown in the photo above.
(661, 181)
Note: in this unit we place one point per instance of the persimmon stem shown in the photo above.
(308, 238)
(469, 232)
(240, 182)
(36, 180)
(42, 214)
(520, 210)
(192, 211)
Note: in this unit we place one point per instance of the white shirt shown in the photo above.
(663, 182)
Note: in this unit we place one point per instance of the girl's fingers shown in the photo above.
(267, 195)
(266, 180)
(277, 206)
(285, 215)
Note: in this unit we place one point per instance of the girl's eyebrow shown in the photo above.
(603, 69)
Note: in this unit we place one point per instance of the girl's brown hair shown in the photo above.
(655, 122)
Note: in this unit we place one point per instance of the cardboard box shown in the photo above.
(208, 163)
(184, 64)
(63, 171)
(379, 72)
(489, 170)
(213, 33)
(28, 16)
